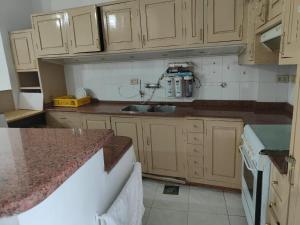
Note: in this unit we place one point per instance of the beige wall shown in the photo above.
(6, 101)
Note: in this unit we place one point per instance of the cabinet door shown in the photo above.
(131, 127)
(275, 8)
(96, 122)
(164, 146)
(161, 22)
(50, 34)
(122, 26)
(84, 29)
(290, 29)
(22, 49)
(225, 20)
(222, 158)
(261, 9)
(194, 21)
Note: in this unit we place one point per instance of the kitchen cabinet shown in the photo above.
(94, 121)
(83, 29)
(122, 28)
(275, 8)
(50, 33)
(161, 22)
(255, 52)
(131, 127)
(222, 157)
(224, 20)
(194, 21)
(164, 146)
(22, 50)
(63, 120)
(288, 50)
(261, 9)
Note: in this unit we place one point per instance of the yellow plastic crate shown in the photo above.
(70, 101)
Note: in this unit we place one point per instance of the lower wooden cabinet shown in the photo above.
(163, 142)
(95, 121)
(200, 150)
(64, 120)
(222, 157)
(131, 127)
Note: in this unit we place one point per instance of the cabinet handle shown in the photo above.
(282, 44)
(201, 34)
(66, 47)
(148, 141)
(272, 204)
(240, 31)
(97, 43)
(144, 40)
(275, 182)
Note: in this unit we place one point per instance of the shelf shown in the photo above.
(30, 88)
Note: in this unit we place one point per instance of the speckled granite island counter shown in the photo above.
(41, 170)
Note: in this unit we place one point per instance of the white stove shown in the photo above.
(255, 178)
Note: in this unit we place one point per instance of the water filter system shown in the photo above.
(180, 80)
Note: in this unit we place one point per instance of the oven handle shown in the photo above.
(245, 160)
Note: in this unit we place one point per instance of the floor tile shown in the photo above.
(167, 217)
(150, 187)
(196, 218)
(234, 204)
(172, 202)
(146, 215)
(207, 200)
(237, 220)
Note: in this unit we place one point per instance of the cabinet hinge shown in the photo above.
(292, 162)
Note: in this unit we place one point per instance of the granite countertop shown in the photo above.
(35, 162)
(244, 111)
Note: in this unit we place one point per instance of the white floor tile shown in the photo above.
(171, 202)
(234, 204)
(237, 220)
(207, 200)
(207, 219)
(146, 215)
(167, 217)
(150, 187)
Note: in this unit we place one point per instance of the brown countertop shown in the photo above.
(280, 162)
(20, 114)
(35, 162)
(268, 113)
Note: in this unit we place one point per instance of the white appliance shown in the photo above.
(255, 178)
(3, 122)
(271, 38)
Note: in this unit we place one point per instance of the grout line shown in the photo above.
(226, 208)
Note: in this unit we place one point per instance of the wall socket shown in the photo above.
(134, 81)
(283, 78)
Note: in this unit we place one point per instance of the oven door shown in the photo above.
(249, 186)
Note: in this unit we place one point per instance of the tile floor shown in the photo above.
(193, 206)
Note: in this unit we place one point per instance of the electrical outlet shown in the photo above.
(134, 81)
(283, 78)
(293, 78)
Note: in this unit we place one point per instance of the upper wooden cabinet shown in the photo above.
(23, 51)
(225, 20)
(261, 9)
(222, 157)
(83, 29)
(164, 146)
(161, 22)
(275, 8)
(194, 21)
(290, 35)
(122, 29)
(50, 33)
(72, 31)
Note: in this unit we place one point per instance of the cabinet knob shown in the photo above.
(272, 204)
(195, 126)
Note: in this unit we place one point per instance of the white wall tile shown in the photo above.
(111, 81)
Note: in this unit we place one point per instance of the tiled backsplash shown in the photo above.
(111, 81)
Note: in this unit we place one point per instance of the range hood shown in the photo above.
(271, 38)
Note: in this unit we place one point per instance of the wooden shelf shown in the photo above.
(30, 88)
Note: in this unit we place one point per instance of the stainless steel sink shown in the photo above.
(150, 108)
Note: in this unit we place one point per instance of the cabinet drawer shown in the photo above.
(195, 150)
(271, 218)
(279, 183)
(195, 138)
(195, 168)
(278, 208)
(195, 126)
